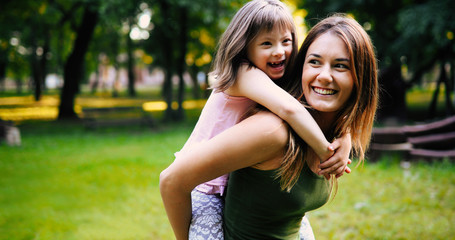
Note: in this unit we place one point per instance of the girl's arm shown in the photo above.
(257, 86)
(337, 164)
(258, 138)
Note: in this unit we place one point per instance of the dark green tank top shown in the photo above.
(256, 208)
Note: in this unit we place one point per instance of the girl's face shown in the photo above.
(327, 79)
(270, 52)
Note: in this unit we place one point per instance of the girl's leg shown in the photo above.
(306, 232)
(207, 219)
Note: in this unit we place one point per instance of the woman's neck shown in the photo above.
(325, 120)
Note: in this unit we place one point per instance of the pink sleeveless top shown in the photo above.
(221, 112)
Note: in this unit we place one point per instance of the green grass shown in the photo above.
(65, 182)
(386, 201)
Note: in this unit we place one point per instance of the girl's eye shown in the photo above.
(289, 41)
(266, 43)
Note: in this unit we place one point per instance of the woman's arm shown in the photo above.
(258, 138)
(257, 86)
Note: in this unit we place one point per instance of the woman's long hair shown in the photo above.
(358, 114)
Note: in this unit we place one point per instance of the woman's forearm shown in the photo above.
(259, 138)
(177, 203)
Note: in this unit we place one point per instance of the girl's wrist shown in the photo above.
(326, 153)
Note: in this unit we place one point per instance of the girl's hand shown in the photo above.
(337, 164)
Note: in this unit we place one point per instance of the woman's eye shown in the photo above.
(343, 66)
(313, 61)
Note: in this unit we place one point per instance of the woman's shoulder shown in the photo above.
(269, 125)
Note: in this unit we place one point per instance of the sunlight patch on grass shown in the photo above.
(46, 100)
(29, 113)
(19, 109)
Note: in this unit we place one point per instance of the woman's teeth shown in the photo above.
(324, 91)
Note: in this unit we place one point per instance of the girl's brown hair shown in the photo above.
(358, 114)
(248, 22)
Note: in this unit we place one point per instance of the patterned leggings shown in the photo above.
(207, 219)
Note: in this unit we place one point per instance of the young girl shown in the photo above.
(258, 46)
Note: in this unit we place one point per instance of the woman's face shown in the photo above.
(270, 52)
(327, 79)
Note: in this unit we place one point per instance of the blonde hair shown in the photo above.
(248, 22)
(358, 115)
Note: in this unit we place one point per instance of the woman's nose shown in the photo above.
(325, 74)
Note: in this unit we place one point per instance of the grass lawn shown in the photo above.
(389, 200)
(66, 182)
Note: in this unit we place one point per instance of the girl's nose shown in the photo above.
(279, 50)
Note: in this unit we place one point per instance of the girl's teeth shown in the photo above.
(276, 64)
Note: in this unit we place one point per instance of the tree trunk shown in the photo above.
(434, 100)
(193, 71)
(3, 65)
(43, 60)
(131, 77)
(181, 61)
(18, 85)
(166, 49)
(73, 66)
(35, 67)
(443, 79)
(39, 68)
(392, 97)
(36, 73)
(169, 113)
(452, 80)
(94, 84)
(115, 85)
(449, 107)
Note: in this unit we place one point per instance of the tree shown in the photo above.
(66, 37)
(74, 64)
(427, 40)
(111, 38)
(176, 37)
(27, 24)
(93, 12)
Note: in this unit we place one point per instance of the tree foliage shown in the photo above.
(184, 39)
(68, 36)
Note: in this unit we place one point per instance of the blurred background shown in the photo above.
(95, 96)
(119, 48)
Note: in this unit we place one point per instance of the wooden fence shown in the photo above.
(429, 141)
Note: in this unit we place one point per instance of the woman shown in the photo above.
(273, 180)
